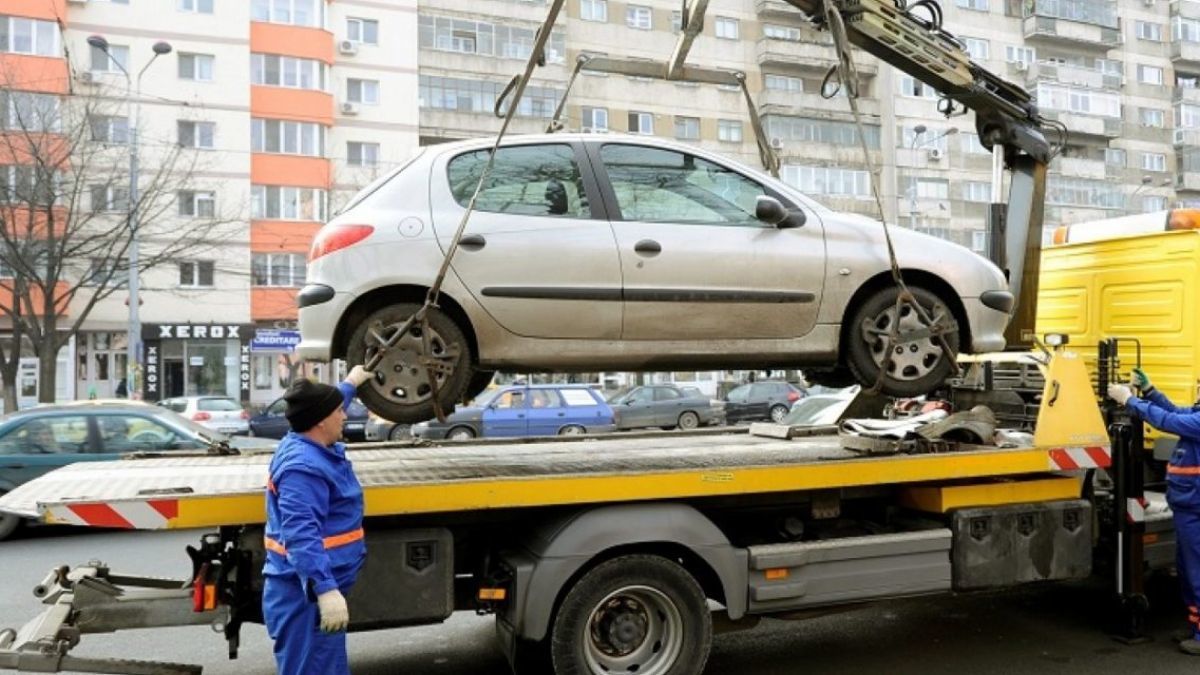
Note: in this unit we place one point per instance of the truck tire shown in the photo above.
(8, 522)
(406, 396)
(633, 614)
(918, 366)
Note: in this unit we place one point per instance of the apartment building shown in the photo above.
(289, 106)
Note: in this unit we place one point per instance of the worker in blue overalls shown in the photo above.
(314, 536)
(1183, 486)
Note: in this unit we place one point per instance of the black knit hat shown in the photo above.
(310, 402)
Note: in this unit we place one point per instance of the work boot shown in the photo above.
(1190, 647)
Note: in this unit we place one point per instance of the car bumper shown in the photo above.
(987, 326)
(318, 323)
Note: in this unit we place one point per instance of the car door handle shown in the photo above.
(648, 247)
(472, 242)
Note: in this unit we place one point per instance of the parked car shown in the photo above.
(270, 422)
(221, 413)
(379, 429)
(765, 400)
(717, 405)
(600, 253)
(526, 410)
(662, 405)
(35, 441)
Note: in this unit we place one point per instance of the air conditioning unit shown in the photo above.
(776, 143)
(935, 154)
(348, 47)
(349, 108)
(1020, 66)
(86, 77)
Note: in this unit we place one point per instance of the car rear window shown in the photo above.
(577, 397)
(218, 404)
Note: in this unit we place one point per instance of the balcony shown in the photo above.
(1080, 124)
(776, 102)
(1082, 23)
(1185, 54)
(1187, 95)
(1077, 167)
(817, 56)
(777, 8)
(1075, 75)
(1187, 138)
(1185, 9)
(1188, 181)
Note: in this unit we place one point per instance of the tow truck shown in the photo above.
(609, 554)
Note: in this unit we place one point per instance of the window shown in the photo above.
(641, 123)
(807, 129)
(1078, 100)
(819, 180)
(927, 188)
(197, 6)
(309, 13)
(676, 22)
(196, 134)
(595, 119)
(109, 198)
(727, 28)
(480, 37)
(637, 16)
(102, 271)
(1018, 54)
(1147, 30)
(1063, 191)
(654, 185)
(102, 60)
(979, 241)
(969, 144)
(27, 111)
(1154, 161)
(544, 398)
(447, 93)
(277, 269)
(362, 31)
(977, 5)
(28, 36)
(911, 86)
(25, 184)
(1149, 74)
(1152, 117)
(534, 180)
(196, 274)
(1185, 30)
(197, 67)
(593, 10)
(196, 204)
(977, 48)
(287, 203)
(777, 32)
(287, 71)
(1185, 82)
(109, 129)
(362, 154)
(1151, 203)
(687, 128)
(50, 435)
(362, 91)
(783, 83)
(287, 138)
(976, 191)
(729, 131)
(1187, 116)
(1115, 157)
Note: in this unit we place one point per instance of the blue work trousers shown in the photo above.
(1187, 562)
(294, 623)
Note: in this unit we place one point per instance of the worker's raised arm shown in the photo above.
(1185, 422)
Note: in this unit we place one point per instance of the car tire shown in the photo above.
(667, 625)
(572, 430)
(406, 396)
(778, 412)
(400, 432)
(688, 420)
(921, 365)
(460, 434)
(8, 522)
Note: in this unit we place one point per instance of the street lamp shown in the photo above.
(918, 132)
(133, 93)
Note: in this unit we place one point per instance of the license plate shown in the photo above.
(354, 426)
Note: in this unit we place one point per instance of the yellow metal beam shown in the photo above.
(989, 492)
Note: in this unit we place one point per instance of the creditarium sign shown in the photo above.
(156, 335)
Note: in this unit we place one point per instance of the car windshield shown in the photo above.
(485, 399)
(191, 428)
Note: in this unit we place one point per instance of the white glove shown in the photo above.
(358, 375)
(1119, 393)
(335, 616)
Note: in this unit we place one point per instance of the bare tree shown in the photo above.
(65, 230)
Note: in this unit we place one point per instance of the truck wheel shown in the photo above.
(689, 420)
(8, 522)
(406, 395)
(639, 614)
(917, 366)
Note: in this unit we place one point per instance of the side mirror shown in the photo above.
(772, 212)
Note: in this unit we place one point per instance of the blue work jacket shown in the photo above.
(314, 513)
(1183, 472)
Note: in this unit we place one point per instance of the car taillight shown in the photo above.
(793, 396)
(201, 417)
(245, 414)
(335, 237)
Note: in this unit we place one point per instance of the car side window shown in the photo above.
(509, 400)
(278, 407)
(740, 394)
(46, 436)
(762, 391)
(544, 398)
(642, 395)
(574, 397)
(665, 394)
(527, 180)
(133, 433)
(666, 186)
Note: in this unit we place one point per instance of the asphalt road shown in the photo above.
(1047, 629)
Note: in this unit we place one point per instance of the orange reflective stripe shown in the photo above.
(329, 542)
(271, 485)
(1184, 470)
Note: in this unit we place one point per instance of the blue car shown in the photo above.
(526, 410)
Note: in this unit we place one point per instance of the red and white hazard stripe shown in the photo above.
(133, 515)
(1080, 457)
(1135, 509)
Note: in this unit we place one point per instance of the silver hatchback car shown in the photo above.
(592, 253)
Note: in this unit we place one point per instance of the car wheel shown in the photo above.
(572, 430)
(689, 420)
(406, 395)
(460, 434)
(632, 614)
(778, 412)
(400, 432)
(8, 522)
(916, 366)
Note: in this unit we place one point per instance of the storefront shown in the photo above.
(274, 365)
(196, 360)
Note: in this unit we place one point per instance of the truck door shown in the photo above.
(507, 415)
